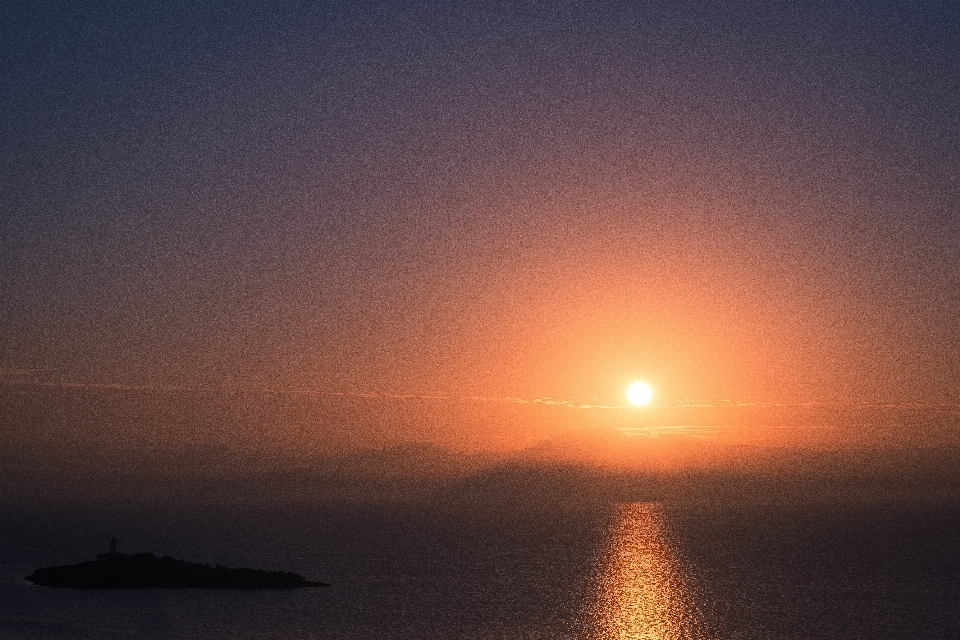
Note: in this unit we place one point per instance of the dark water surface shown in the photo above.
(849, 571)
(640, 570)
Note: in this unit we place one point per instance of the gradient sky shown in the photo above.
(756, 201)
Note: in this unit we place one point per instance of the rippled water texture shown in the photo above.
(644, 571)
(641, 593)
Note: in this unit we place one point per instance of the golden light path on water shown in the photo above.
(641, 593)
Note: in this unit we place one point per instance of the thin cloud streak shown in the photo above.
(22, 371)
(385, 395)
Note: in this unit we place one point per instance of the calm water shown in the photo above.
(638, 570)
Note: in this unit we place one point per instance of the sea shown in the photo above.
(639, 570)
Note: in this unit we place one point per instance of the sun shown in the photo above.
(639, 393)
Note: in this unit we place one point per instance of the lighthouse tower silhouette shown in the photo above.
(113, 551)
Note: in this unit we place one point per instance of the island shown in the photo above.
(114, 570)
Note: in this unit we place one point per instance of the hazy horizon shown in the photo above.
(66, 445)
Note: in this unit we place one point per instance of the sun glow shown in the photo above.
(639, 393)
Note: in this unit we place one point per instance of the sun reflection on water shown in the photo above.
(641, 593)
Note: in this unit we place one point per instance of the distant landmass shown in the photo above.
(115, 570)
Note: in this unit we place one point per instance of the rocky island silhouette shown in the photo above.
(114, 570)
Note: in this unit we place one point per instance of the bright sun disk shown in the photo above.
(639, 393)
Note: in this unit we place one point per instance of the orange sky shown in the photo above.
(754, 203)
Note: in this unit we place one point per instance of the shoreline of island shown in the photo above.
(114, 570)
